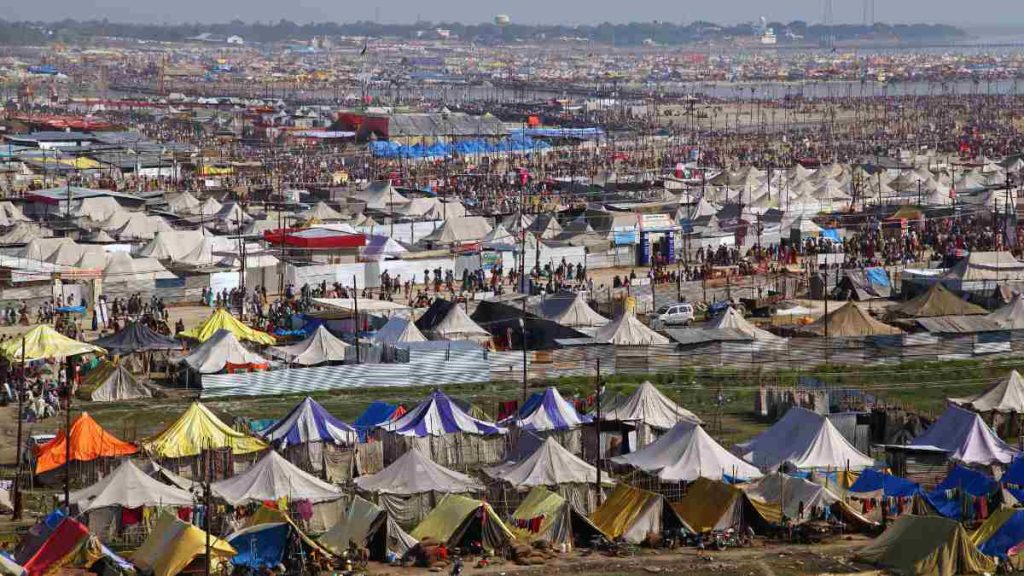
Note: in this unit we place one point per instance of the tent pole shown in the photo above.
(67, 437)
(597, 426)
(20, 391)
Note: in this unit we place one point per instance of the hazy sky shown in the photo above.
(527, 11)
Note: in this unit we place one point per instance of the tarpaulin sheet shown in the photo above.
(261, 545)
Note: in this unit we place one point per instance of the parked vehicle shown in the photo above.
(680, 314)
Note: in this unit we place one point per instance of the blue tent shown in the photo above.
(949, 503)
(871, 480)
(1014, 475)
(260, 545)
(1010, 534)
(376, 413)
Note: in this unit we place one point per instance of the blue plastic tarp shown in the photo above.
(831, 233)
(947, 499)
(1015, 474)
(871, 480)
(71, 309)
(376, 413)
(877, 276)
(1007, 536)
(260, 545)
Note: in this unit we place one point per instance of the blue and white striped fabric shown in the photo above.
(547, 411)
(309, 422)
(438, 416)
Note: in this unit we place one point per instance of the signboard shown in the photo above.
(655, 222)
(625, 236)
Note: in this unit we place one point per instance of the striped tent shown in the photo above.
(309, 422)
(446, 432)
(547, 411)
(439, 416)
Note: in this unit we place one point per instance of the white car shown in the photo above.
(673, 315)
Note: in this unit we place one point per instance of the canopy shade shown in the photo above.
(45, 343)
(136, 337)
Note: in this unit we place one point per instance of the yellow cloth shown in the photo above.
(710, 505)
(221, 319)
(992, 525)
(926, 546)
(196, 430)
(621, 509)
(45, 343)
(173, 544)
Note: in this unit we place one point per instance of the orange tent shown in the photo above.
(89, 441)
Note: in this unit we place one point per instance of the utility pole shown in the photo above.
(522, 326)
(355, 306)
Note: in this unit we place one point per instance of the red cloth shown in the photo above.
(131, 516)
(185, 515)
(58, 549)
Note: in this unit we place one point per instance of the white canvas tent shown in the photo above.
(319, 348)
(129, 487)
(221, 349)
(967, 439)
(457, 325)
(112, 382)
(577, 314)
(648, 406)
(1006, 397)
(804, 440)
(686, 453)
(627, 330)
(789, 493)
(271, 479)
(399, 330)
(415, 473)
(732, 320)
(460, 230)
(1011, 316)
(550, 465)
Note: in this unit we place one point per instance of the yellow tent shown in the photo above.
(711, 505)
(926, 546)
(172, 545)
(196, 430)
(561, 523)
(457, 516)
(44, 343)
(630, 513)
(221, 319)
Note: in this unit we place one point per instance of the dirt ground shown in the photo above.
(761, 560)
